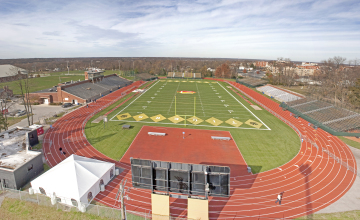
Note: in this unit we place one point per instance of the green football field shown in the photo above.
(265, 145)
(190, 103)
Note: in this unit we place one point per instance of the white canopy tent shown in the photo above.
(74, 181)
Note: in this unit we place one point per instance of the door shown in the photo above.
(46, 101)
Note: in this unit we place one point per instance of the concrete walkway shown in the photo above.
(351, 200)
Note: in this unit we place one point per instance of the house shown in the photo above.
(5, 92)
(10, 73)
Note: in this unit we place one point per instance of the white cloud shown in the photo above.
(229, 28)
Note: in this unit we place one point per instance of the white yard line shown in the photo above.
(200, 99)
(111, 119)
(245, 107)
(173, 98)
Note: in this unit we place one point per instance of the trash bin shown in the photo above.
(249, 169)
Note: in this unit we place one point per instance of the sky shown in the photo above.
(302, 30)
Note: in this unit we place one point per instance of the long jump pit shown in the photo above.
(195, 146)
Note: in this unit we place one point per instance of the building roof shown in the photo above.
(73, 177)
(10, 70)
(12, 152)
(90, 90)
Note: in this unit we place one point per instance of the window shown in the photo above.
(101, 183)
(111, 173)
(30, 167)
(42, 191)
(74, 202)
(89, 197)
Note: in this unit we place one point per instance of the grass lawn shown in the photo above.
(14, 120)
(350, 215)
(262, 149)
(350, 142)
(13, 209)
(40, 83)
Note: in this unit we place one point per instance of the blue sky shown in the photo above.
(302, 30)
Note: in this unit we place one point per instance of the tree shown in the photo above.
(223, 71)
(354, 94)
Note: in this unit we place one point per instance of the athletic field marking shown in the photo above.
(173, 98)
(200, 99)
(181, 124)
(245, 107)
(133, 101)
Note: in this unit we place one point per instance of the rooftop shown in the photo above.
(10, 70)
(13, 148)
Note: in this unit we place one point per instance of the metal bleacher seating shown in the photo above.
(336, 118)
(97, 89)
(278, 94)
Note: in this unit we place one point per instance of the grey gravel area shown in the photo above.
(351, 200)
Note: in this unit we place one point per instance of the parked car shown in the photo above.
(13, 113)
(23, 112)
(65, 105)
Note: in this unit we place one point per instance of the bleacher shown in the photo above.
(326, 115)
(197, 75)
(96, 90)
(184, 75)
(252, 82)
(188, 75)
(278, 94)
(145, 76)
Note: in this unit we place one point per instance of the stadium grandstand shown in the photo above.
(335, 120)
(252, 82)
(81, 91)
(145, 76)
(184, 75)
(278, 94)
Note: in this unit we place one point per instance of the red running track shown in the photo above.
(311, 180)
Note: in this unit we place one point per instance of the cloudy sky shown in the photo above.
(302, 30)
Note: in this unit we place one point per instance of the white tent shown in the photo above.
(75, 180)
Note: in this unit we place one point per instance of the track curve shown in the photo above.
(311, 180)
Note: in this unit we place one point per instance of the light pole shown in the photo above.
(67, 66)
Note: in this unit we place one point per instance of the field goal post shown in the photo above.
(187, 115)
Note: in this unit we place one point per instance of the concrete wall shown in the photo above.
(24, 174)
(7, 178)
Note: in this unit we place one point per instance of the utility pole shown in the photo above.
(120, 198)
(67, 66)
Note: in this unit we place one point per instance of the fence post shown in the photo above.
(20, 194)
(98, 210)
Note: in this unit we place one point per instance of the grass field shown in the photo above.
(262, 149)
(211, 105)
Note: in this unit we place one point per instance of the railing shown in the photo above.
(341, 162)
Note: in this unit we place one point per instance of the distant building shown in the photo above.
(306, 70)
(93, 74)
(18, 165)
(5, 92)
(10, 73)
(262, 64)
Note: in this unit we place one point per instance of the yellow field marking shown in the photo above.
(157, 118)
(206, 82)
(214, 121)
(195, 120)
(214, 82)
(234, 122)
(176, 81)
(191, 81)
(198, 81)
(170, 80)
(123, 116)
(140, 117)
(162, 80)
(253, 123)
(176, 119)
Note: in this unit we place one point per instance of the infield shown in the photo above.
(191, 103)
